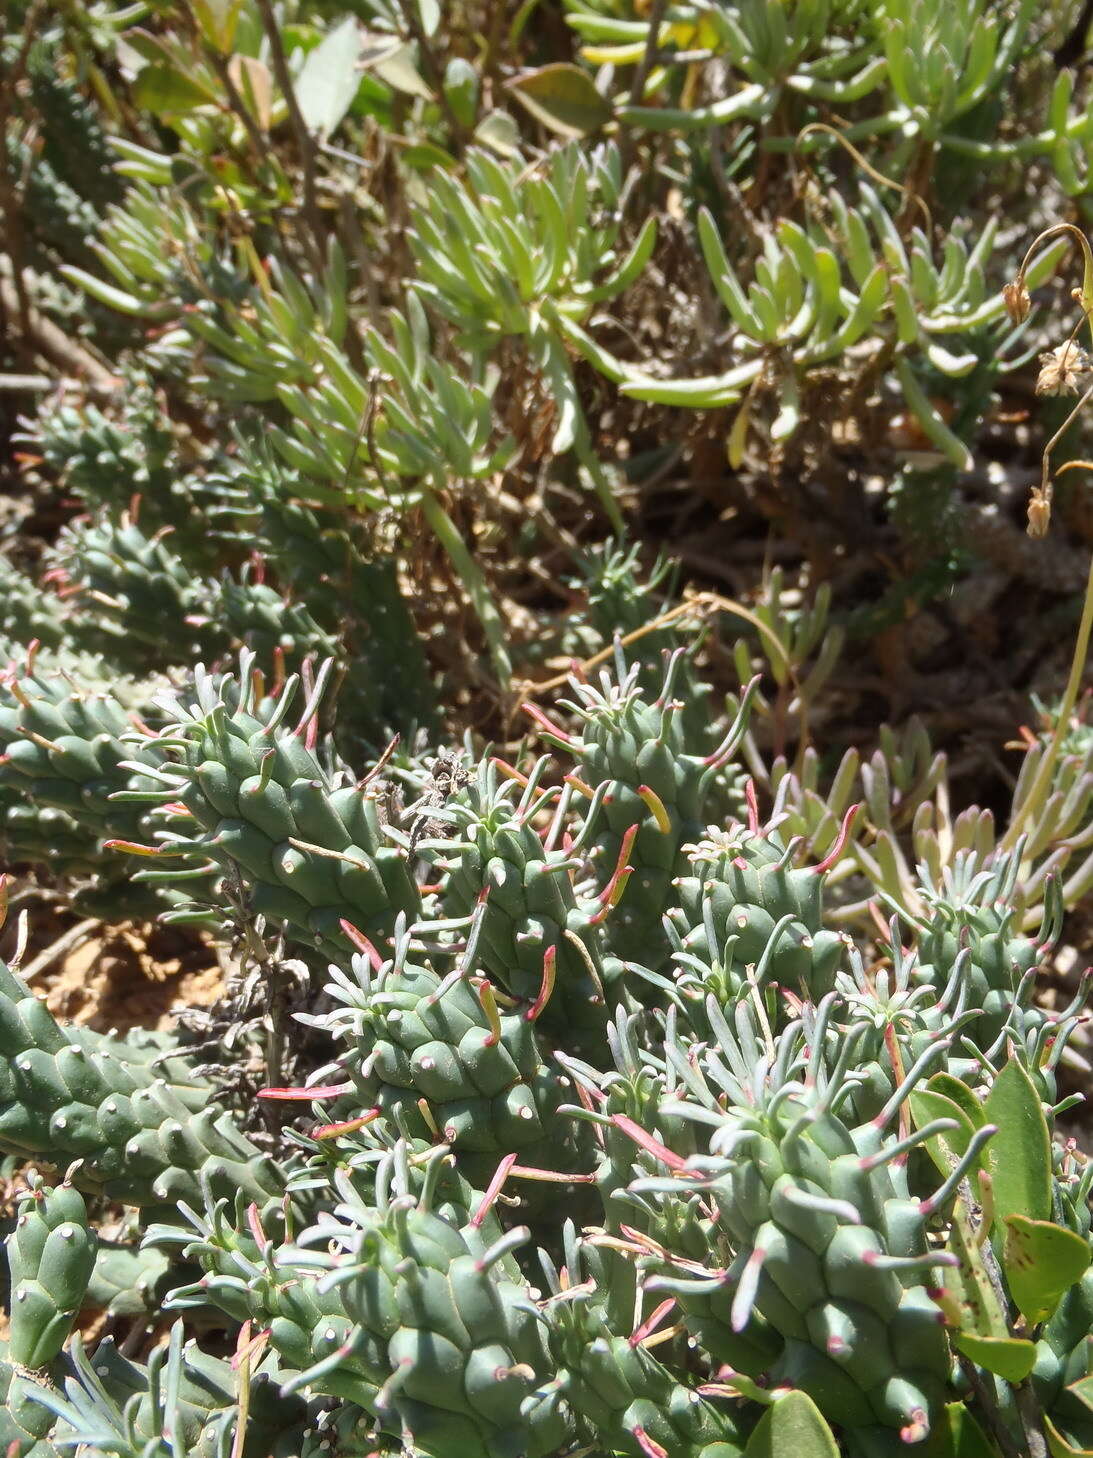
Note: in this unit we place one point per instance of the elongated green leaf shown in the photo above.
(631, 266)
(789, 413)
(705, 393)
(1019, 1155)
(737, 440)
(947, 363)
(969, 1300)
(1041, 1261)
(603, 359)
(724, 278)
(937, 432)
(115, 298)
(753, 100)
(564, 98)
(793, 1425)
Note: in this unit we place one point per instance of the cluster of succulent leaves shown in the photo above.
(656, 1086)
(403, 234)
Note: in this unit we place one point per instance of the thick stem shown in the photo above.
(649, 55)
(1031, 1420)
(470, 574)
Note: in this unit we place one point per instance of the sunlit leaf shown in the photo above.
(1011, 1358)
(328, 79)
(165, 91)
(792, 1425)
(564, 98)
(500, 133)
(1041, 1260)
(218, 20)
(1019, 1155)
(255, 84)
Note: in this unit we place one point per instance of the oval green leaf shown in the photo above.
(500, 133)
(564, 98)
(957, 1435)
(218, 20)
(794, 1424)
(165, 91)
(1062, 1447)
(1011, 1358)
(327, 83)
(461, 90)
(1041, 1260)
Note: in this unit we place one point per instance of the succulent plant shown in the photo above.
(756, 1128)
(672, 1080)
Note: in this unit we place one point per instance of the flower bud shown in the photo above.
(1039, 512)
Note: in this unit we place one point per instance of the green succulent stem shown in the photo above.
(447, 533)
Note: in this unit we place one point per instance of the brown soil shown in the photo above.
(131, 977)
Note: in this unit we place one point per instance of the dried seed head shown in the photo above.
(1039, 512)
(1063, 370)
(1015, 295)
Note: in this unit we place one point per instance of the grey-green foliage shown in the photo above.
(183, 1395)
(23, 1420)
(765, 1130)
(141, 1130)
(609, 1123)
(73, 141)
(28, 613)
(115, 606)
(124, 455)
(847, 288)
